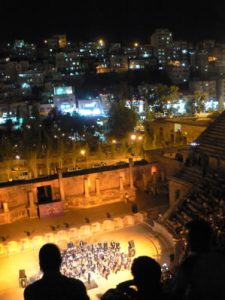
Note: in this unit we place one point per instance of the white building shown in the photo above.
(64, 99)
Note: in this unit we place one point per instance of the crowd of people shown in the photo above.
(206, 200)
(92, 261)
(200, 274)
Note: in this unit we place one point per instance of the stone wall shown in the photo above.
(178, 189)
(20, 200)
(191, 129)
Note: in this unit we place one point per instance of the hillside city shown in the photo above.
(112, 169)
(70, 96)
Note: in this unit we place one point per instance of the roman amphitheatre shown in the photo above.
(103, 215)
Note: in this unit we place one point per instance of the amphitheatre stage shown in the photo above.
(146, 243)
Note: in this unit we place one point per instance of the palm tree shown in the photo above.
(60, 151)
(6, 153)
(48, 151)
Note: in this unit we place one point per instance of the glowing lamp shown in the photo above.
(153, 170)
(82, 152)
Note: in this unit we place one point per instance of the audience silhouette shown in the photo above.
(146, 282)
(199, 237)
(54, 285)
(208, 278)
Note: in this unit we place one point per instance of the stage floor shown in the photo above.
(145, 244)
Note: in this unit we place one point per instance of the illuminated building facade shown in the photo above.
(118, 63)
(68, 63)
(205, 86)
(64, 99)
(162, 41)
(178, 72)
(138, 105)
(105, 102)
(90, 108)
(57, 41)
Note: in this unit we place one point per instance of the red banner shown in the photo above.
(51, 209)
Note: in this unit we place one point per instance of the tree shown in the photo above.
(123, 91)
(75, 147)
(163, 95)
(122, 120)
(199, 99)
(60, 150)
(145, 91)
(149, 135)
(99, 153)
(196, 103)
(6, 154)
(48, 151)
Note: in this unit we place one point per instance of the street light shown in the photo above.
(133, 137)
(136, 139)
(101, 42)
(83, 153)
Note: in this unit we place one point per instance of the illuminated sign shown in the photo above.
(63, 90)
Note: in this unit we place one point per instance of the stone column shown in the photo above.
(5, 207)
(154, 183)
(154, 179)
(86, 189)
(61, 186)
(163, 176)
(32, 207)
(131, 172)
(97, 186)
(144, 176)
(121, 183)
(7, 215)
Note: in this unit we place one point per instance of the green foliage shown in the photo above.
(99, 153)
(196, 103)
(123, 91)
(163, 95)
(122, 120)
(158, 96)
(149, 134)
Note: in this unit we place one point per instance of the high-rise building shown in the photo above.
(162, 41)
(162, 38)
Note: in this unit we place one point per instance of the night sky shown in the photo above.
(113, 20)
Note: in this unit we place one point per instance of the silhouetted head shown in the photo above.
(199, 235)
(114, 294)
(50, 258)
(208, 281)
(146, 272)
